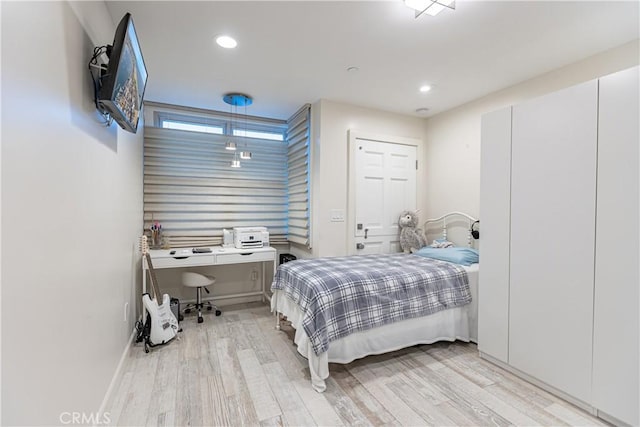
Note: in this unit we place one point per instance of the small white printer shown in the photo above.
(250, 237)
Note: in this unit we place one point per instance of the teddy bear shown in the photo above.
(411, 238)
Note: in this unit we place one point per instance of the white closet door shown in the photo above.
(495, 189)
(553, 185)
(615, 340)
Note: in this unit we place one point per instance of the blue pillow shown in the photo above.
(462, 256)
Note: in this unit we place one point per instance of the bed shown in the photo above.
(345, 308)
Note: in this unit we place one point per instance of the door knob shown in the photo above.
(366, 230)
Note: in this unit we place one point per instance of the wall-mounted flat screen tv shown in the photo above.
(123, 83)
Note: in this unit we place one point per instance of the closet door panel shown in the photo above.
(493, 289)
(553, 184)
(615, 351)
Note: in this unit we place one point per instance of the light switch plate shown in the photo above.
(337, 215)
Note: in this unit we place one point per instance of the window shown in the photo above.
(258, 134)
(220, 123)
(190, 188)
(193, 127)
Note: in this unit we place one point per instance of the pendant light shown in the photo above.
(236, 100)
(245, 154)
(235, 163)
(230, 144)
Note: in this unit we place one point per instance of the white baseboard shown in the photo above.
(551, 389)
(612, 420)
(115, 380)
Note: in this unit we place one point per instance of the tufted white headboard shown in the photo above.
(453, 226)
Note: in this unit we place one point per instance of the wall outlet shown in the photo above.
(337, 215)
(126, 311)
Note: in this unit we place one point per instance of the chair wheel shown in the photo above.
(209, 308)
(218, 312)
(200, 319)
(188, 310)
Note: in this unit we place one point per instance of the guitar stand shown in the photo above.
(144, 334)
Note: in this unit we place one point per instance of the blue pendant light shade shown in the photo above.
(237, 99)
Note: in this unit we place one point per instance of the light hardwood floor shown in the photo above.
(238, 370)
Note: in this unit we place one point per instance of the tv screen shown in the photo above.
(123, 84)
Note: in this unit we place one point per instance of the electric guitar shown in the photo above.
(164, 325)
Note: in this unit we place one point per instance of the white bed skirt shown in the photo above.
(458, 323)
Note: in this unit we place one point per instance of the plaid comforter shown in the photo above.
(342, 295)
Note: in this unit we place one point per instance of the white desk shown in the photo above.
(162, 258)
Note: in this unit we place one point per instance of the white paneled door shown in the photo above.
(384, 186)
(495, 211)
(616, 359)
(553, 201)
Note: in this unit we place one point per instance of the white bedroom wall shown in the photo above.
(331, 121)
(452, 149)
(71, 214)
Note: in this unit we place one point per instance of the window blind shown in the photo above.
(192, 191)
(298, 170)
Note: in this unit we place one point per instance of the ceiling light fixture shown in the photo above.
(425, 88)
(430, 7)
(226, 42)
(246, 154)
(236, 100)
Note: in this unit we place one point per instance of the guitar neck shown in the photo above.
(152, 279)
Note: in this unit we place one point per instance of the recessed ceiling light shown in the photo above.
(226, 42)
(425, 88)
(422, 110)
(353, 69)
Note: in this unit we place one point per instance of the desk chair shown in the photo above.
(199, 281)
